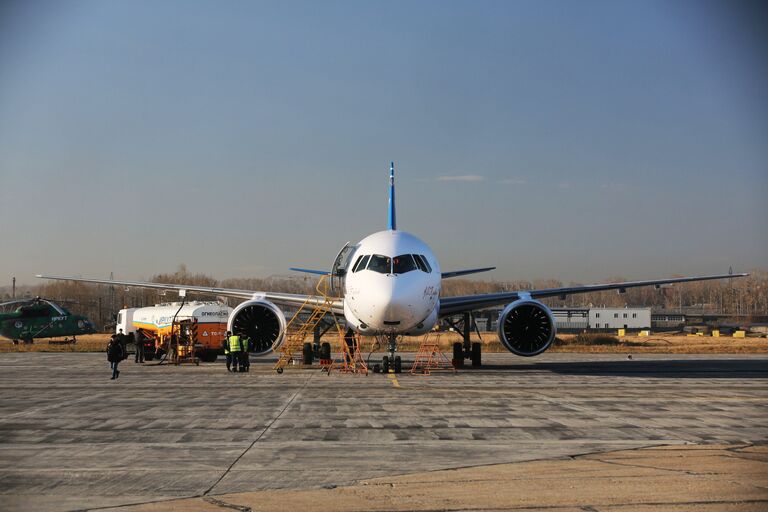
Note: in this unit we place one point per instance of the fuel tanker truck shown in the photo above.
(202, 324)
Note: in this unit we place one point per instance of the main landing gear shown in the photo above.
(466, 349)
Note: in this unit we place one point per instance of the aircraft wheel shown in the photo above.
(398, 366)
(376, 368)
(476, 354)
(306, 354)
(385, 364)
(458, 355)
(325, 350)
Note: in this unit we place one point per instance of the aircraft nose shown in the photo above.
(396, 308)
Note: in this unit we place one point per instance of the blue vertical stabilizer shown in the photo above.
(392, 221)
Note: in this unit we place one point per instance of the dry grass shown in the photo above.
(85, 343)
(675, 344)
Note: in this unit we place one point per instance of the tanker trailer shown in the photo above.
(204, 323)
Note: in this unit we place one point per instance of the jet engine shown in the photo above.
(261, 321)
(526, 328)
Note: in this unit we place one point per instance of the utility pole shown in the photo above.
(13, 289)
(111, 294)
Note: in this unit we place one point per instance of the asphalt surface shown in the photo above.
(72, 439)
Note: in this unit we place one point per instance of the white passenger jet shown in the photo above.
(391, 287)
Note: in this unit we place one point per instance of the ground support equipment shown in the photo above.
(429, 357)
(295, 351)
(351, 359)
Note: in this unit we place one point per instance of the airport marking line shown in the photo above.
(392, 377)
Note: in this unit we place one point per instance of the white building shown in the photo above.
(620, 318)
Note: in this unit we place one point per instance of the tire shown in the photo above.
(149, 356)
(385, 364)
(306, 354)
(398, 366)
(476, 354)
(376, 368)
(325, 351)
(208, 356)
(458, 355)
(279, 371)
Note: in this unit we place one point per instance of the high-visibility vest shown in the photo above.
(226, 346)
(234, 343)
(245, 341)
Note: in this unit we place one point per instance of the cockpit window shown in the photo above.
(361, 262)
(402, 264)
(423, 264)
(380, 264)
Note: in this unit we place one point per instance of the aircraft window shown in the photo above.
(420, 263)
(380, 264)
(362, 261)
(34, 313)
(423, 263)
(403, 263)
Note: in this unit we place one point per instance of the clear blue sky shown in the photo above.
(576, 140)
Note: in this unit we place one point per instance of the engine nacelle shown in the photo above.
(261, 321)
(526, 328)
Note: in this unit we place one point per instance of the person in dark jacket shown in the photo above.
(225, 346)
(138, 340)
(245, 347)
(115, 354)
(123, 339)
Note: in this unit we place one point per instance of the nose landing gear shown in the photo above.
(390, 363)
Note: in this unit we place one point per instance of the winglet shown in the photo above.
(392, 221)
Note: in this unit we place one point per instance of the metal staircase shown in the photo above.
(430, 358)
(297, 330)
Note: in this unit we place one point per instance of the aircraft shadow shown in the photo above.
(668, 368)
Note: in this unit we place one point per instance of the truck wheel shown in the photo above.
(208, 356)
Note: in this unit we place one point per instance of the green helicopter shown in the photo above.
(40, 318)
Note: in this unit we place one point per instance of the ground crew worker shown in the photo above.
(234, 350)
(123, 339)
(245, 361)
(115, 354)
(227, 353)
(349, 339)
(138, 340)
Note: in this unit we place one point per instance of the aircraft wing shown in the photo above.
(284, 299)
(453, 305)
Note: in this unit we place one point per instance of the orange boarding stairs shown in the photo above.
(298, 330)
(430, 358)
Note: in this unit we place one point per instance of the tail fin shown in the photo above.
(392, 221)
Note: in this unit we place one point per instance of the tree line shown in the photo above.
(746, 296)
